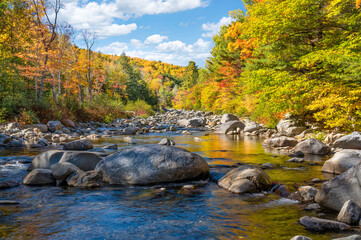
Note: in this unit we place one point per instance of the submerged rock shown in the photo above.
(152, 164)
(39, 177)
(8, 184)
(323, 225)
(246, 179)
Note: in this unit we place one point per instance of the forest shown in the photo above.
(280, 56)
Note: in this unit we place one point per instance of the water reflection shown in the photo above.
(208, 212)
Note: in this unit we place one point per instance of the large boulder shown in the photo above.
(4, 138)
(194, 122)
(312, 146)
(54, 126)
(291, 126)
(351, 141)
(229, 117)
(245, 179)
(323, 225)
(280, 142)
(82, 144)
(152, 164)
(252, 127)
(230, 127)
(63, 170)
(84, 160)
(350, 213)
(131, 130)
(335, 192)
(342, 161)
(39, 177)
(85, 179)
(42, 127)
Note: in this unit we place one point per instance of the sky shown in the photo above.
(172, 31)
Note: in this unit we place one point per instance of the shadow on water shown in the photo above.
(208, 212)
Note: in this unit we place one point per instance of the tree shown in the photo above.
(191, 75)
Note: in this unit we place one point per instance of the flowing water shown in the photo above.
(208, 212)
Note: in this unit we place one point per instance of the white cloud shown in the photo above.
(84, 15)
(136, 43)
(212, 29)
(175, 52)
(155, 39)
(114, 48)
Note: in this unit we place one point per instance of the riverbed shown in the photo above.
(132, 212)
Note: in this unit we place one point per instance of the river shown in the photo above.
(208, 212)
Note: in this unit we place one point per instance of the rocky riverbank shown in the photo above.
(79, 165)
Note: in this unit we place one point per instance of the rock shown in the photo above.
(43, 142)
(39, 177)
(245, 179)
(296, 160)
(131, 130)
(267, 165)
(342, 161)
(312, 146)
(34, 145)
(13, 125)
(351, 141)
(86, 161)
(69, 123)
(166, 141)
(62, 170)
(350, 213)
(42, 127)
(230, 126)
(54, 126)
(8, 202)
(152, 164)
(335, 192)
(85, 179)
(251, 128)
(129, 140)
(4, 138)
(280, 142)
(313, 207)
(45, 159)
(111, 147)
(297, 154)
(198, 139)
(331, 138)
(15, 144)
(291, 126)
(194, 122)
(299, 237)
(82, 144)
(323, 225)
(353, 237)
(229, 117)
(307, 193)
(8, 184)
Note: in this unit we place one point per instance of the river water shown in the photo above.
(208, 212)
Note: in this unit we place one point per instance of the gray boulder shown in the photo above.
(230, 127)
(229, 117)
(54, 126)
(350, 213)
(194, 122)
(82, 144)
(131, 130)
(39, 177)
(42, 127)
(323, 225)
(86, 161)
(4, 138)
(45, 159)
(291, 126)
(85, 179)
(335, 192)
(251, 128)
(312, 146)
(166, 141)
(280, 142)
(62, 170)
(351, 141)
(14, 143)
(342, 161)
(245, 179)
(300, 238)
(152, 164)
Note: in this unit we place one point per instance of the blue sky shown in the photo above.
(173, 31)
